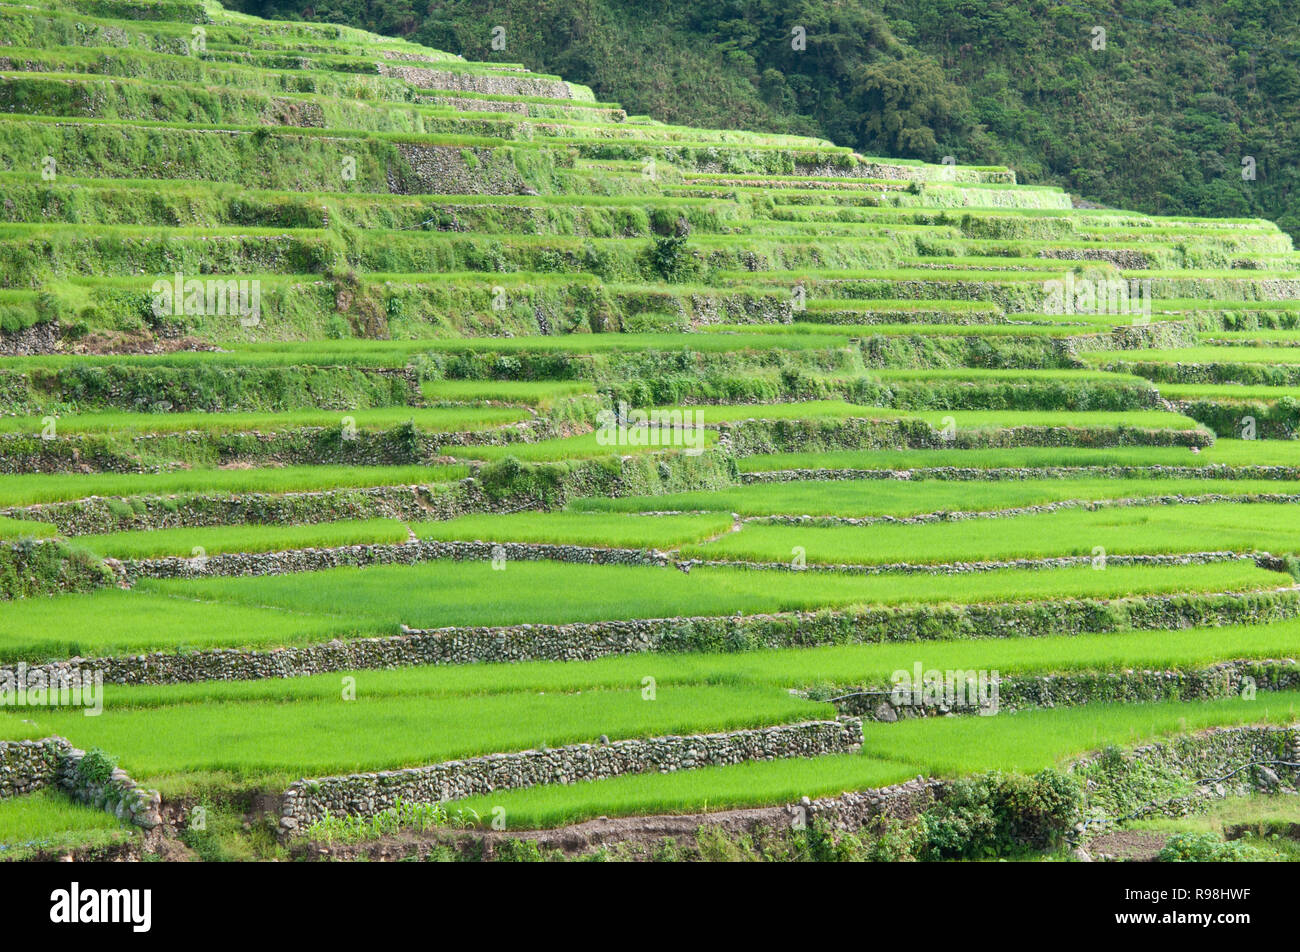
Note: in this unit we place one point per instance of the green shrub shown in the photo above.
(995, 813)
(1206, 848)
(520, 851)
(668, 256)
(96, 768)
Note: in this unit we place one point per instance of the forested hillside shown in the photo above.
(1161, 119)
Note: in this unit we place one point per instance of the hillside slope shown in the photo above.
(391, 428)
(1159, 120)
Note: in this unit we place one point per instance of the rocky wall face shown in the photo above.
(588, 641)
(504, 84)
(29, 765)
(855, 810)
(115, 793)
(962, 568)
(99, 514)
(1181, 775)
(1216, 471)
(520, 490)
(452, 170)
(404, 553)
(1170, 499)
(878, 702)
(757, 436)
(369, 793)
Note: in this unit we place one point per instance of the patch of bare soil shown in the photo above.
(1134, 846)
(133, 342)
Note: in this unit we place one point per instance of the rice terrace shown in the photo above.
(405, 456)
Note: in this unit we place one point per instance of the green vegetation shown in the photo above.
(14, 529)
(435, 420)
(114, 622)
(920, 79)
(962, 419)
(1229, 392)
(287, 737)
(586, 446)
(533, 393)
(1202, 355)
(279, 286)
(1026, 741)
(1222, 453)
(776, 669)
(850, 498)
(1147, 530)
(444, 594)
(567, 528)
(46, 822)
(155, 543)
(30, 489)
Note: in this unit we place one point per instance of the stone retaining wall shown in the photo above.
(404, 553)
(1181, 775)
(492, 85)
(1216, 471)
(1157, 779)
(963, 568)
(292, 446)
(1171, 499)
(538, 486)
(854, 810)
(410, 553)
(30, 765)
(1072, 688)
(367, 794)
(591, 640)
(100, 514)
(758, 436)
(119, 794)
(1167, 771)
(35, 567)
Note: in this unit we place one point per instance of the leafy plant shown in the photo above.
(96, 768)
(1206, 848)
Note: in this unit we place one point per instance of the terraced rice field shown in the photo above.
(368, 409)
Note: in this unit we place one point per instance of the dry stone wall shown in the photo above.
(1237, 678)
(405, 553)
(489, 84)
(1169, 499)
(961, 568)
(854, 810)
(535, 487)
(366, 794)
(117, 793)
(1181, 775)
(1173, 778)
(757, 436)
(1216, 471)
(591, 640)
(30, 765)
